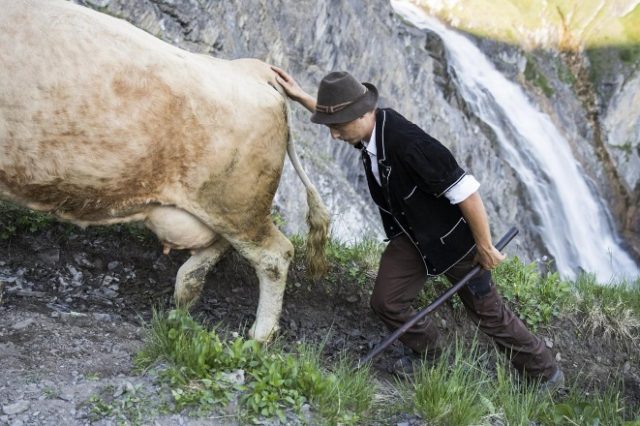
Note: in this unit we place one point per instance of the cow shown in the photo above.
(102, 123)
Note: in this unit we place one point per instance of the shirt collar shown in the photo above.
(371, 146)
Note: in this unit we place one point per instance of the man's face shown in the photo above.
(354, 131)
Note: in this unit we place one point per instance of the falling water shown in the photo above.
(574, 222)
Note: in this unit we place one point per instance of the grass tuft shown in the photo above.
(611, 311)
(451, 394)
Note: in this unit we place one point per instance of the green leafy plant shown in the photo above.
(14, 220)
(580, 408)
(275, 382)
(537, 299)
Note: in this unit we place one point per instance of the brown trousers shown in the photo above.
(401, 277)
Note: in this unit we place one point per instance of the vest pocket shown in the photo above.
(413, 191)
(451, 234)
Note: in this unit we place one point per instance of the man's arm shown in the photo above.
(293, 89)
(474, 213)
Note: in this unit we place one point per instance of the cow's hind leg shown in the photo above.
(192, 273)
(270, 255)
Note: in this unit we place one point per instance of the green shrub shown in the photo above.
(537, 299)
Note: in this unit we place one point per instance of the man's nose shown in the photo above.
(334, 134)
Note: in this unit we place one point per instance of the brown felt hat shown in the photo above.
(342, 98)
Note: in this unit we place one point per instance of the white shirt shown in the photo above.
(456, 194)
(372, 150)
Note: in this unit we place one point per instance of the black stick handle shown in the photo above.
(506, 239)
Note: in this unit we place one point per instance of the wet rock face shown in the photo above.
(622, 129)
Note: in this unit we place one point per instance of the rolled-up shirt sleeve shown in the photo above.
(463, 189)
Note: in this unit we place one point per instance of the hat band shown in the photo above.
(331, 109)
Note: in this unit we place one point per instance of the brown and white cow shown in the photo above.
(102, 123)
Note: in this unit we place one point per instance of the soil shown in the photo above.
(72, 303)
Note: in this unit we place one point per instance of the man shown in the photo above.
(433, 217)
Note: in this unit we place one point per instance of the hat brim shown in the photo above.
(356, 110)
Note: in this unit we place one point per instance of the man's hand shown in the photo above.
(474, 213)
(293, 89)
(489, 257)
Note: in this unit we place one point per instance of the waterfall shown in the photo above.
(575, 223)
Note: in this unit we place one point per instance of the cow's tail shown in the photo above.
(317, 216)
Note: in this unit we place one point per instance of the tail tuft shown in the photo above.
(318, 221)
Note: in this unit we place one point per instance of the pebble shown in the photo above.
(548, 342)
(626, 367)
(102, 317)
(558, 357)
(66, 397)
(17, 422)
(20, 325)
(352, 298)
(50, 256)
(305, 410)
(16, 408)
(403, 424)
(235, 377)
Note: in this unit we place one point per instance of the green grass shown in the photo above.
(356, 263)
(535, 297)
(565, 24)
(609, 311)
(276, 382)
(460, 389)
(514, 400)
(450, 394)
(590, 408)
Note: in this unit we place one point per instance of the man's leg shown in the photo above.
(400, 278)
(528, 353)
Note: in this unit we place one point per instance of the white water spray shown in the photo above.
(574, 222)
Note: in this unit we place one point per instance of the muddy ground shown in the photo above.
(73, 301)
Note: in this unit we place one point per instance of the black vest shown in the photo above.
(415, 172)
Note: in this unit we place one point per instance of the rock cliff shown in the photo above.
(310, 38)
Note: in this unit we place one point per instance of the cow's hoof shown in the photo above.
(262, 334)
(186, 299)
